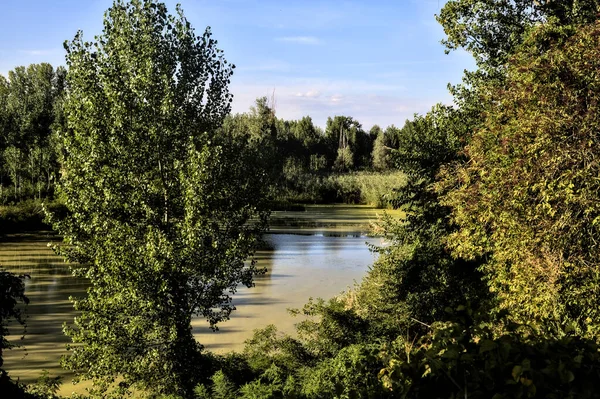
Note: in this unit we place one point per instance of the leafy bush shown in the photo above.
(27, 215)
(527, 200)
(458, 358)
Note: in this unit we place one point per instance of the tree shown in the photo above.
(306, 133)
(12, 291)
(30, 102)
(345, 141)
(163, 208)
(13, 165)
(5, 120)
(385, 142)
(492, 30)
(528, 197)
(29, 111)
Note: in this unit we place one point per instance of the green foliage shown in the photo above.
(344, 160)
(429, 141)
(30, 110)
(385, 142)
(528, 198)
(366, 187)
(12, 292)
(329, 327)
(163, 210)
(509, 231)
(45, 387)
(201, 392)
(458, 358)
(349, 146)
(222, 388)
(493, 30)
(352, 373)
(415, 277)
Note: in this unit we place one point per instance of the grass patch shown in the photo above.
(26, 216)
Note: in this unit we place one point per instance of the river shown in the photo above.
(317, 253)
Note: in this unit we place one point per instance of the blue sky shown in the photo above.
(379, 61)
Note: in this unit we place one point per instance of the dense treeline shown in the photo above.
(30, 111)
(297, 153)
(305, 163)
(309, 165)
(488, 288)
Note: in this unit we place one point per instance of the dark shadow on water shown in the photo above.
(238, 302)
(276, 275)
(223, 330)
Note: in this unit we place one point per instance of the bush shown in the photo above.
(27, 215)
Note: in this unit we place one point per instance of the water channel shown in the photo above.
(317, 253)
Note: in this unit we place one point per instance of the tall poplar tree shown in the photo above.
(162, 210)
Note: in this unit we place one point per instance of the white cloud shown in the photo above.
(336, 98)
(309, 94)
(299, 39)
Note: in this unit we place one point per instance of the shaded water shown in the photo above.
(326, 255)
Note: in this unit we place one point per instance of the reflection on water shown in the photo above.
(329, 219)
(48, 287)
(318, 262)
(298, 267)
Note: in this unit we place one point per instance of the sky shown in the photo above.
(378, 61)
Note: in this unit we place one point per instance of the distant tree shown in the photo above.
(163, 208)
(28, 113)
(306, 132)
(375, 131)
(318, 162)
(13, 161)
(385, 142)
(30, 104)
(5, 116)
(344, 160)
(348, 144)
(262, 116)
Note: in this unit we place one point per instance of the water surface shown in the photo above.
(317, 253)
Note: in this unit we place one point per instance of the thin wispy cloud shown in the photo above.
(37, 52)
(320, 101)
(309, 94)
(310, 40)
(336, 98)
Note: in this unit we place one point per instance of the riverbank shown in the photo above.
(333, 219)
(27, 216)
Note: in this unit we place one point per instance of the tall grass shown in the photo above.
(370, 188)
(27, 215)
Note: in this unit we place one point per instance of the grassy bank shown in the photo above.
(364, 188)
(26, 216)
